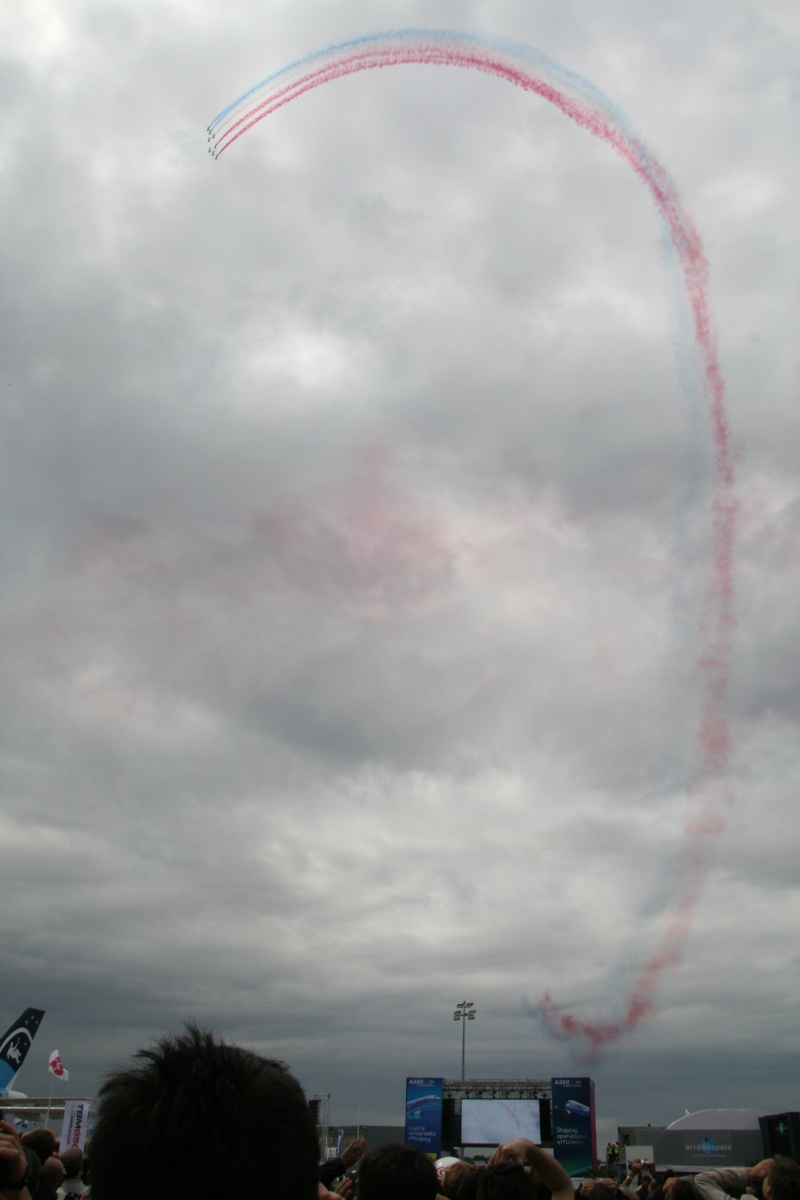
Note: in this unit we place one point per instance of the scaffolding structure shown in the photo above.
(497, 1089)
(321, 1108)
(456, 1090)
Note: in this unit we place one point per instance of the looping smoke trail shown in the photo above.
(584, 104)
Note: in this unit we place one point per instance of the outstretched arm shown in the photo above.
(352, 1153)
(719, 1185)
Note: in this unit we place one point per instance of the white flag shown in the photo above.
(55, 1067)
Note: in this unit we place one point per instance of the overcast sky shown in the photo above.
(356, 534)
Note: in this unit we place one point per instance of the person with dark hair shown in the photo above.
(783, 1178)
(41, 1141)
(664, 1182)
(205, 1119)
(72, 1162)
(545, 1176)
(396, 1172)
(779, 1176)
(604, 1188)
(641, 1178)
(669, 1181)
(507, 1181)
(453, 1177)
(680, 1187)
(470, 1184)
(51, 1177)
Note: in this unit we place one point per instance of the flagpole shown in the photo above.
(49, 1103)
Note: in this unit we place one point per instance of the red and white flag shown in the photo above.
(56, 1068)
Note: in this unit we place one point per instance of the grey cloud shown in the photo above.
(357, 532)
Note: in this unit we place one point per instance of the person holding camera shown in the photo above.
(641, 1178)
(15, 1166)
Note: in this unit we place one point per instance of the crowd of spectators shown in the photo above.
(201, 1119)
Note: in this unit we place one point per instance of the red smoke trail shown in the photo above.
(700, 833)
(705, 822)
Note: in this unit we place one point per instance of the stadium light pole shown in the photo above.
(465, 1011)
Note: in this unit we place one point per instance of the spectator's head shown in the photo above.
(470, 1184)
(603, 1188)
(72, 1160)
(203, 1118)
(682, 1188)
(41, 1141)
(443, 1164)
(395, 1172)
(452, 1178)
(52, 1172)
(783, 1179)
(506, 1181)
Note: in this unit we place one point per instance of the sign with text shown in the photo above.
(574, 1134)
(73, 1130)
(424, 1114)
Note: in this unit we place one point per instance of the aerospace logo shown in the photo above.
(15, 1047)
(16, 1042)
(709, 1147)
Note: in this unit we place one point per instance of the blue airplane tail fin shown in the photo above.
(15, 1044)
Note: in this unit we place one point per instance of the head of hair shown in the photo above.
(454, 1178)
(470, 1184)
(507, 1181)
(396, 1172)
(41, 1141)
(199, 1116)
(72, 1160)
(684, 1189)
(784, 1178)
(52, 1171)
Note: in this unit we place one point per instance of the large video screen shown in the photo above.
(489, 1122)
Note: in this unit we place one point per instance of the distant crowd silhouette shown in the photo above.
(198, 1118)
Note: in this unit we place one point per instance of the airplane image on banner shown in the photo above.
(576, 1109)
(14, 1045)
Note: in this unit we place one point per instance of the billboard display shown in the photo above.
(424, 1114)
(490, 1122)
(574, 1135)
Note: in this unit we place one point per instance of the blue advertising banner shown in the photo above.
(424, 1115)
(574, 1135)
